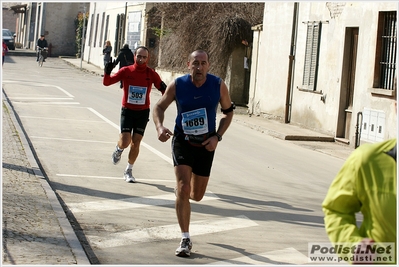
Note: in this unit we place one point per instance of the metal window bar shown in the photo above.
(388, 53)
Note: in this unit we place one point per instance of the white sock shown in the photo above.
(119, 149)
(129, 166)
(185, 235)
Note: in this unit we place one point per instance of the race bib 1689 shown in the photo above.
(195, 122)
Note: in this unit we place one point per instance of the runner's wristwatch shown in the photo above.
(219, 137)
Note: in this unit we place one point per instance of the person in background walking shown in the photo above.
(42, 43)
(5, 50)
(195, 135)
(125, 58)
(107, 52)
(137, 83)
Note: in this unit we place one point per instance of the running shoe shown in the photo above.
(184, 249)
(128, 176)
(116, 156)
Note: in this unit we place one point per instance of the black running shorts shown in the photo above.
(198, 158)
(134, 120)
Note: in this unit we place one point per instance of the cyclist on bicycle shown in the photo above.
(42, 43)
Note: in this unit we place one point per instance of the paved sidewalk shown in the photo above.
(35, 227)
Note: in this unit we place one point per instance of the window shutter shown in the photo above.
(311, 55)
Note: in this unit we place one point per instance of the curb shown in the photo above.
(28, 53)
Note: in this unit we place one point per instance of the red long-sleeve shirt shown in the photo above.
(137, 83)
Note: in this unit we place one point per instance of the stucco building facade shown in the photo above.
(118, 22)
(327, 66)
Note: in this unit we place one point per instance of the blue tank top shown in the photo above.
(196, 107)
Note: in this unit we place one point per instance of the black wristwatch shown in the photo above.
(219, 137)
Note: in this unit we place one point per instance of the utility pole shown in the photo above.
(83, 34)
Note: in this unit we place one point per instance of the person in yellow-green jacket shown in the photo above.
(366, 183)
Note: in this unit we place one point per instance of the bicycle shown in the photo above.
(42, 55)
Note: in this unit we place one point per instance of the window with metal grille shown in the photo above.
(311, 56)
(385, 63)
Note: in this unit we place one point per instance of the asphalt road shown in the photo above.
(263, 204)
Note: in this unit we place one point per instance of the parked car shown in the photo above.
(9, 39)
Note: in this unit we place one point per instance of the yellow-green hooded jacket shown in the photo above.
(366, 183)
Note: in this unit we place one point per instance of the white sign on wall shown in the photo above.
(134, 29)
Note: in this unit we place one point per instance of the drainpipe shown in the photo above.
(258, 28)
(358, 133)
(291, 64)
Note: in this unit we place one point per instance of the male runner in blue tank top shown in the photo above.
(195, 135)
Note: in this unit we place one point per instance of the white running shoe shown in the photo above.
(185, 247)
(128, 176)
(116, 156)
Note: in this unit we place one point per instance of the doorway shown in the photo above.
(345, 110)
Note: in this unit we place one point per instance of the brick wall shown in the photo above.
(59, 27)
(9, 19)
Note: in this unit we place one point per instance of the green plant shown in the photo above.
(159, 32)
(80, 18)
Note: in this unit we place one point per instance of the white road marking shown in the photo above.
(104, 118)
(40, 98)
(88, 176)
(112, 177)
(130, 203)
(158, 153)
(153, 150)
(276, 257)
(74, 140)
(42, 85)
(168, 232)
(48, 103)
(60, 119)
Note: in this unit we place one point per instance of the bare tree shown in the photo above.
(214, 27)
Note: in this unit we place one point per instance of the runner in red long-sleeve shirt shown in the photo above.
(137, 82)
